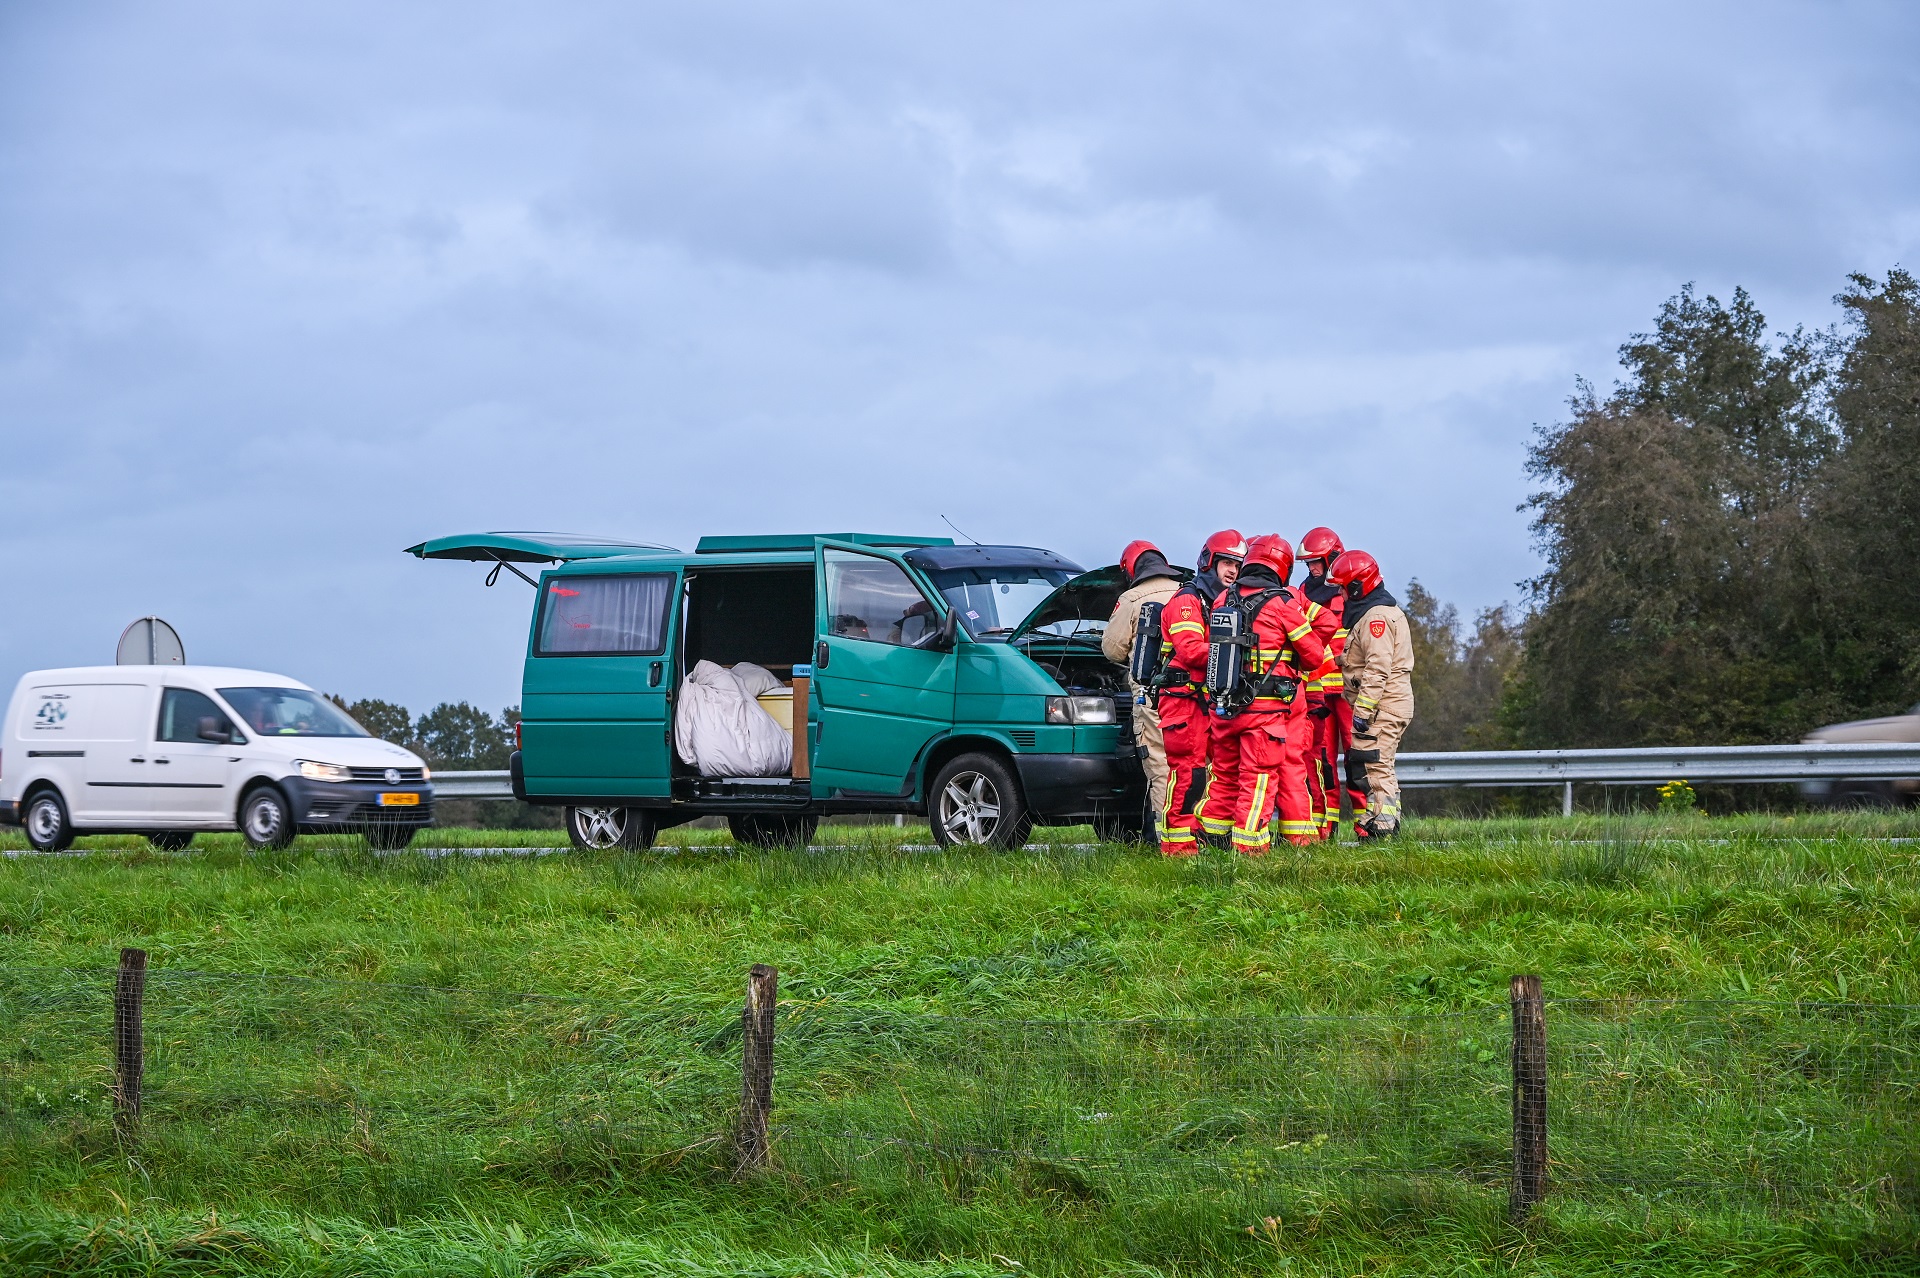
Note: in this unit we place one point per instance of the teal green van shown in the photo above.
(964, 684)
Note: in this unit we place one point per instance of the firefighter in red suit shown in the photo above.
(1181, 698)
(1260, 746)
(1331, 712)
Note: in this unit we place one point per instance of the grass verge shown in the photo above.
(293, 1149)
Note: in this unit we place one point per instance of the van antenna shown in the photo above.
(956, 528)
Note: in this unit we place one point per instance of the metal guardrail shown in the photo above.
(471, 785)
(1640, 766)
(1657, 765)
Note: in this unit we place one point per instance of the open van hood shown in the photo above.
(1089, 597)
(527, 547)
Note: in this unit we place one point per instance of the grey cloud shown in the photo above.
(285, 288)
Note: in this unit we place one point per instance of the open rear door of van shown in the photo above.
(505, 549)
(599, 677)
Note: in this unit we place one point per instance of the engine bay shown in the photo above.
(1079, 667)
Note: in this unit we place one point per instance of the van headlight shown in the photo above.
(1080, 710)
(322, 771)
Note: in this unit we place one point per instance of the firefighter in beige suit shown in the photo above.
(1154, 581)
(1378, 669)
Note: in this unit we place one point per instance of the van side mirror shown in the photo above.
(943, 638)
(211, 729)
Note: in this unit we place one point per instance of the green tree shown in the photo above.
(1869, 507)
(1458, 678)
(1680, 566)
(383, 719)
(460, 736)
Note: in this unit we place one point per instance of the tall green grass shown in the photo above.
(1067, 1059)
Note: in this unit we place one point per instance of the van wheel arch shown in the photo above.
(246, 790)
(37, 788)
(948, 749)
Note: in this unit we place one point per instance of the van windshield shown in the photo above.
(993, 599)
(291, 712)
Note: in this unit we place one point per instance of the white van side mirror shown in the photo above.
(211, 729)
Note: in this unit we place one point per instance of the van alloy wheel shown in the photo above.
(970, 808)
(976, 799)
(597, 829)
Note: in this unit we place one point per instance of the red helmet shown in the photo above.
(1130, 557)
(1320, 543)
(1355, 568)
(1272, 551)
(1226, 544)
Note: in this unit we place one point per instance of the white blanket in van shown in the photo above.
(720, 729)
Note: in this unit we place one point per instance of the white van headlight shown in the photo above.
(1080, 710)
(322, 771)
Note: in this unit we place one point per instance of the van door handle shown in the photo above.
(137, 759)
(653, 674)
(820, 654)
(157, 760)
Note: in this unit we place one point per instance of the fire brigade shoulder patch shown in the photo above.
(1376, 628)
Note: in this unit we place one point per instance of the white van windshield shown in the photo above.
(291, 712)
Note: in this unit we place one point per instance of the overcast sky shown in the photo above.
(286, 288)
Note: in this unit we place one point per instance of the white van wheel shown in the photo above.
(266, 823)
(976, 799)
(48, 828)
(597, 829)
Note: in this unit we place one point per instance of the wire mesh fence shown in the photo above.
(333, 1093)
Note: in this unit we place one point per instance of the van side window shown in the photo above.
(623, 615)
(870, 598)
(182, 709)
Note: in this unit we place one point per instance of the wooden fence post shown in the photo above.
(1529, 1097)
(129, 1052)
(756, 1068)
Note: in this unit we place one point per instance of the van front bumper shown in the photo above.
(355, 803)
(1064, 789)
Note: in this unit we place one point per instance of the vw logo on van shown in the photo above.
(393, 776)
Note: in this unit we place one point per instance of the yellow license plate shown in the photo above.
(399, 800)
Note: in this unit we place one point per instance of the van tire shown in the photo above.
(772, 830)
(976, 799)
(170, 840)
(48, 827)
(599, 829)
(266, 819)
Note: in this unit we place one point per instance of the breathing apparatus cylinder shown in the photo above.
(1143, 664)
(1226, 639)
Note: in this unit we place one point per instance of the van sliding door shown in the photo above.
(598, 676)
(881, 698)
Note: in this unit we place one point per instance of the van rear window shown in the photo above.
(624, 615)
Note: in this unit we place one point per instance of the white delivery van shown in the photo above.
(167, 751)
